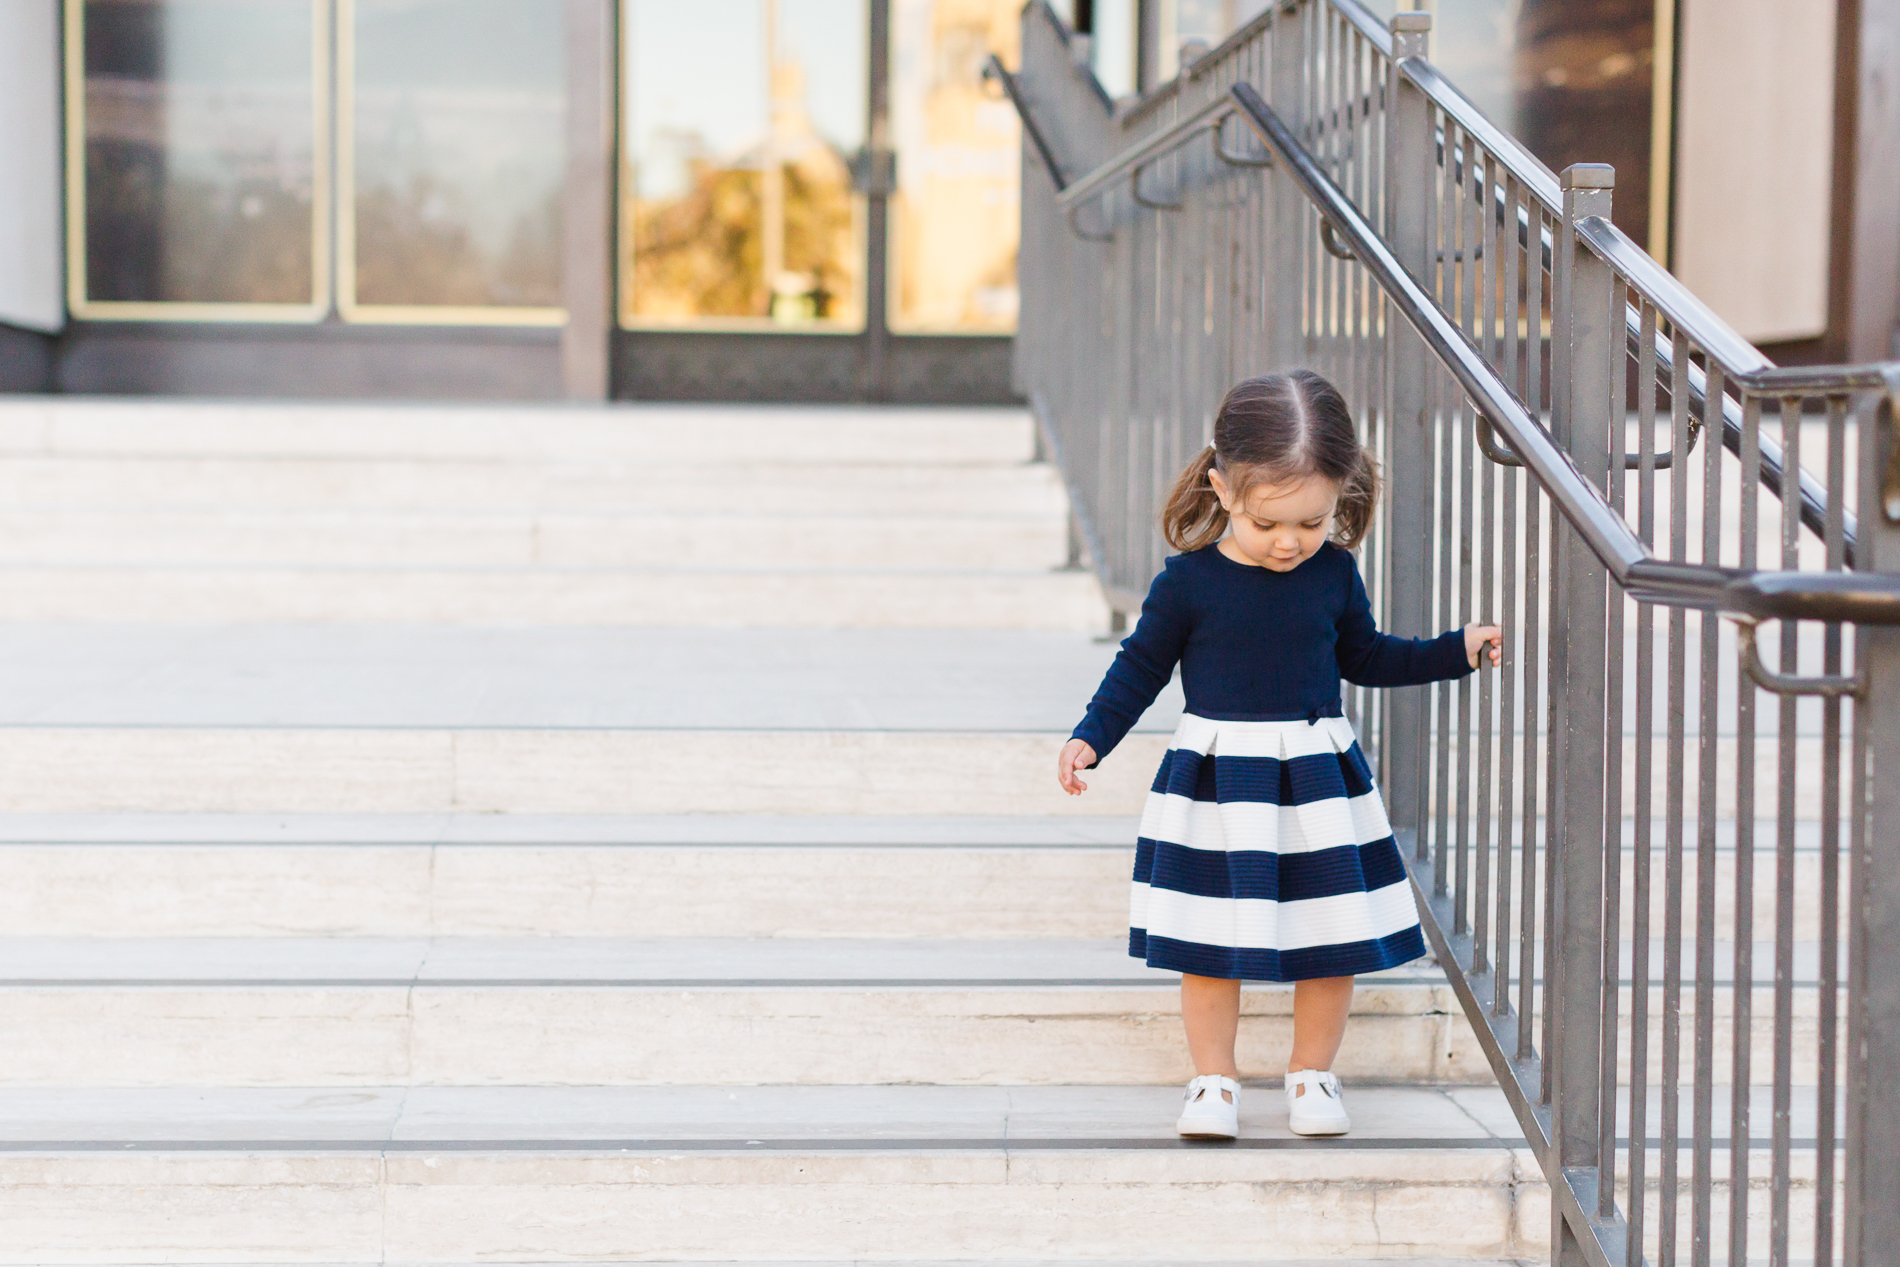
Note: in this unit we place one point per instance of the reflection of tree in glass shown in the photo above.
(157, 236)
(702, 254)
(414, 246)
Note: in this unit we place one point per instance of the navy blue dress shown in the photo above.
(1265, 853)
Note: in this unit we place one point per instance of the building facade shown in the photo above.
(780, 199)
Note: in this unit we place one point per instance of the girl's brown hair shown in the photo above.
(1272, 431)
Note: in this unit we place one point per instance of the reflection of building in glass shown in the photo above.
(199, 152)
(957, 209)
(744, 211)
(457, 159)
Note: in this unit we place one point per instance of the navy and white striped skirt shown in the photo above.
(1266, 855)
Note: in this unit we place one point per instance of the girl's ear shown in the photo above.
(1219, 484)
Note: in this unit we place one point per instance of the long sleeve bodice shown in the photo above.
(1258, 645)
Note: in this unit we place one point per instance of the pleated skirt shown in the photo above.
(1266, 855)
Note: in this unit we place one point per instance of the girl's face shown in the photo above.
(1280, 527)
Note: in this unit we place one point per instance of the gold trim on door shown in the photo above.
(86, 308)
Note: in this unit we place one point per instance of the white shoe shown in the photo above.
(1314, 1105)
(1209, 1114)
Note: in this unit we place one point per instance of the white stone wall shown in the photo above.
(31, 253)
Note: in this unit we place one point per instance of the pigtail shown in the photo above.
(1358, 500)
(1193, 517)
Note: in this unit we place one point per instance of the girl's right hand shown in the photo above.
(1075, 756)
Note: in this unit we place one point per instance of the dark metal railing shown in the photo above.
(1656, 853)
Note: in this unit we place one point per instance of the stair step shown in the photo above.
(712, 538)
(866, 484)
(534, 1174)
(749, 679)
(785, 598)
(708, 876)
(704, 434)
(472, 1011)
(664, 876)
(159, 769)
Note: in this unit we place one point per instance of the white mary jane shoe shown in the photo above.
(1209, 1114)
(1314, 1105)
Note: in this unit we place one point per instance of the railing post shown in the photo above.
(1409, 161)
(1286, 343)
(1871, 1219)
(1589, 348)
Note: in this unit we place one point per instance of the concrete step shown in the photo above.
(671, 679)
(515, 1011)
(468, 539)
(156, 769)
(732, 597)
(650, 597)
(41, 427)
(867, 484)
(672, 876)
(1073, 1173)
(720, 875)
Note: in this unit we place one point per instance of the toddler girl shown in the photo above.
(1265, 853)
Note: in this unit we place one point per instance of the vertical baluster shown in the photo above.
(1517, 650)
(1406, 203)
(1830, 917)
(1529, 964)
(1708, 718)
(1748, 486)
(1487, 562)
(1336, 170)
(1784, 863)
(1674, 795)
(1645, 756)
(1354, 340)
(1444, 240)
(1463, 261)
(1612, 941)
(1552, 647)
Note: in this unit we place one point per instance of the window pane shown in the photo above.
(1112, 45)
(737, 201)
(200, 172)
(459, 110)
(955, 217)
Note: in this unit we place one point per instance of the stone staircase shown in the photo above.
(526, 836)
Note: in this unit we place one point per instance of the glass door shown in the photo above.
(740, 120)
(197, 151)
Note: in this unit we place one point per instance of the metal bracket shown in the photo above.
(1075, 227)
(1329, 238)
(1134, 184)
(1890, 481)
(1263, 159)
(1831, 686)
(1489, 446)
(1501, 455)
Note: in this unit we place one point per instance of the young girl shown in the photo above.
(1265, 853)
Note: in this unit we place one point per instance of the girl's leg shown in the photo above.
(1320, 1006)
(1210, 1009)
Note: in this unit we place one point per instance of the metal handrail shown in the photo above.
(1204, 119)
(1864, 598)
(1354, 11)
(994, 69)
(1741, 360)
(1548, 876)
